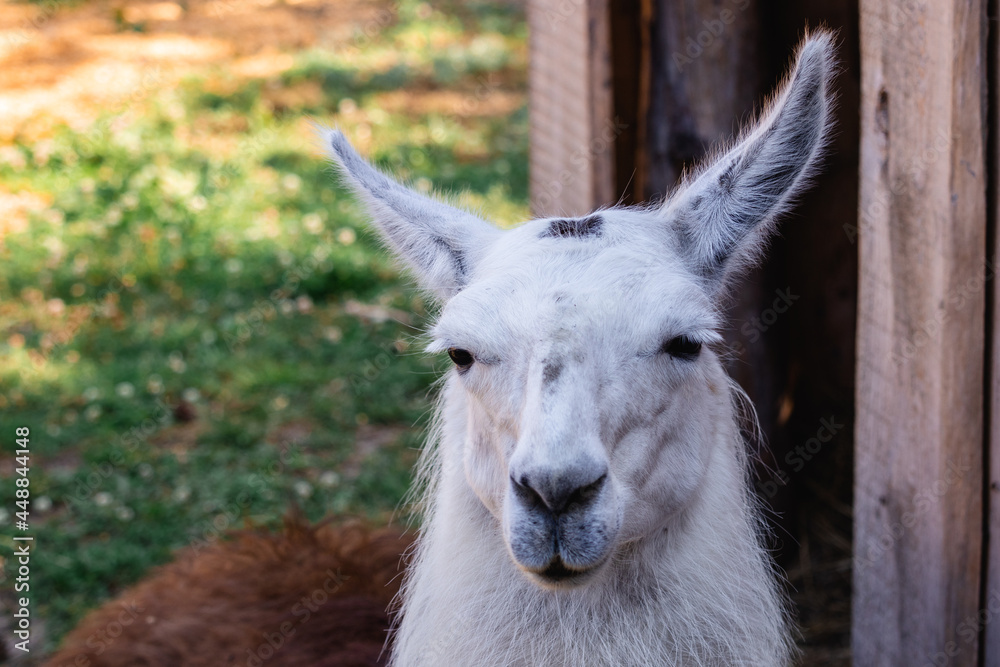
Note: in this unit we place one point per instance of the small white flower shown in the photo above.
(55, 307)
(347, 236)
(124, 513)
(329, 479)
(312, 223)
(191, 395)
(102, 498)
(176, 362)
(347, 106)
(303, 488)
(125, 389)
(154, 385)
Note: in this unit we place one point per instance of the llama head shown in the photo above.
(583, 347)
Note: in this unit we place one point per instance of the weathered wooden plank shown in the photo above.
(707, 71)
(919, 427)
(572, 128)
(989, 617)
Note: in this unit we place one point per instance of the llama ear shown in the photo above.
(440, 243)
(723, 217)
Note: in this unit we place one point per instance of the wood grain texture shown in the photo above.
(572, 128)
(990, 601)
(921, 339)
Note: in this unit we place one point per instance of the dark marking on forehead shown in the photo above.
(551, 371)
(574, 227)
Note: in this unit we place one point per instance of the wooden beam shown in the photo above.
(571, 98)
(921, 341)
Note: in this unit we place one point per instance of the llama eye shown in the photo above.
(682, 347)
(461, 357)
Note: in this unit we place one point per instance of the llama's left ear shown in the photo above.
(722, 219)
(440, 243)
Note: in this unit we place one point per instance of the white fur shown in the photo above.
(570, 383)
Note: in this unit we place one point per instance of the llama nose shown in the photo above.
(559, 492)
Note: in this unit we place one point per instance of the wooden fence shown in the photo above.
(625, 93)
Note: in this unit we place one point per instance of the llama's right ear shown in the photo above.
(440, 243)
(722, 219)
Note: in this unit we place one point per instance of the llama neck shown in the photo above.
(702, 591)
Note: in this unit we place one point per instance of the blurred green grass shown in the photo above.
(200, 330)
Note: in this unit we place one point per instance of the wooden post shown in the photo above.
(921, 342)
(572, 116)
(990, 600)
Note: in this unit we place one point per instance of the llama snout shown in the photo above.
(560, 525)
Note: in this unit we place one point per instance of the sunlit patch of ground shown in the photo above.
(78, 61)
(14, 209)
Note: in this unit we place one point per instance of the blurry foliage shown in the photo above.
(174, 325)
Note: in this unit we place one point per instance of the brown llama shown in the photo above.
(310, 596)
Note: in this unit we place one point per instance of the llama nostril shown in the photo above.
(557, 493)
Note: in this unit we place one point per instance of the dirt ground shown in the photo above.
(66, 62)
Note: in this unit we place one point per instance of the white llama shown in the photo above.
(588, 499)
